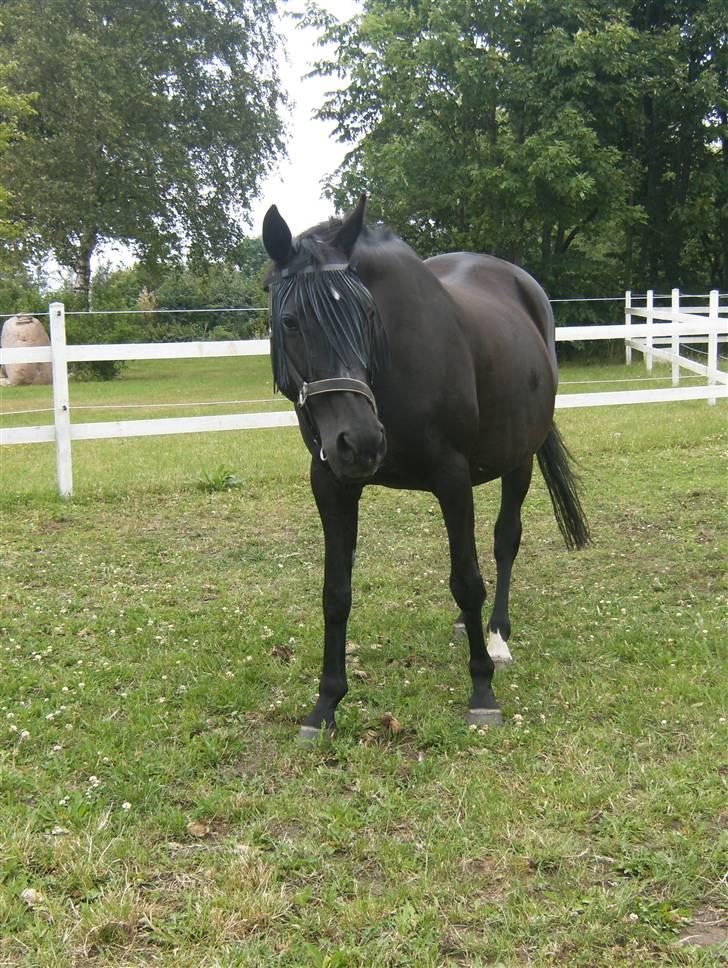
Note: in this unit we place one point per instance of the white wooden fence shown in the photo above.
(661, 336)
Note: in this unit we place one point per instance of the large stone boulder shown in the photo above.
(24, 331)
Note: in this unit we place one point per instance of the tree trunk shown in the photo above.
(82, 284)
(546, 249)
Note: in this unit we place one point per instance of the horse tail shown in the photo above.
(555, 462)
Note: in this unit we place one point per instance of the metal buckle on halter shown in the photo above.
(303, 394)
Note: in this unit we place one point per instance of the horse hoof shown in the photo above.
(311, 736)
(484, 717)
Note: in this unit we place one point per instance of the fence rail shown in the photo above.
(675, 326)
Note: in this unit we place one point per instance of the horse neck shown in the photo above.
(396, 276)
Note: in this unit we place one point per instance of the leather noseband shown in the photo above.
(335, 385)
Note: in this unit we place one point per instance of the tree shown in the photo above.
(680, 142)
(576, 137)
(13, 108)
(154, 123)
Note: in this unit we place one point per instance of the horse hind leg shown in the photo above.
(497, 647)
(456, 501)
(507, 540)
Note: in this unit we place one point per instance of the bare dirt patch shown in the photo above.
(708, 928)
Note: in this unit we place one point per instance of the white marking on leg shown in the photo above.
(498, 649)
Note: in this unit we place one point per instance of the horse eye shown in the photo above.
(290, 323)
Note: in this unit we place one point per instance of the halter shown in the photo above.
(293, 271)
(332, 384)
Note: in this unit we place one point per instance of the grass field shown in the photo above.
(159, 644)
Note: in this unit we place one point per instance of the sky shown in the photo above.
(313, 153)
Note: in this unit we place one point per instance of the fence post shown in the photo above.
(627, 322)
(675, 339)
(713, 320)
(61, 405)
(649, 321)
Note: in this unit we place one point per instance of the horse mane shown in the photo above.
(336, 298)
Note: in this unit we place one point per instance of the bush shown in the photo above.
(91, 329)
(19, 293)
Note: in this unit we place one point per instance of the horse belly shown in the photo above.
(516, 406)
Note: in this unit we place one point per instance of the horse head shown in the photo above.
(327, 341)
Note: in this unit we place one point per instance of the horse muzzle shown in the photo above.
(345, 426)
(358, 454)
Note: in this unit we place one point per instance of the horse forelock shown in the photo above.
(336, 299)
(340, 305)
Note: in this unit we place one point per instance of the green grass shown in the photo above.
(153, 388)
(160, 643)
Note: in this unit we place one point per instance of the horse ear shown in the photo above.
(276, 235)
(349, 232)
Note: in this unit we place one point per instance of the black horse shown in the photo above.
(432, 376)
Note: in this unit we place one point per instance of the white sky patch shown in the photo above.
(313, 153)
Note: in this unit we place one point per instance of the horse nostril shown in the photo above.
(347, 450)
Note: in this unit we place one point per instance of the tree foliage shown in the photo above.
(153, 124)
(13, 109)
(584, 139)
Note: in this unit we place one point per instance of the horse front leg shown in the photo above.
(338, 507)
(455, 494)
